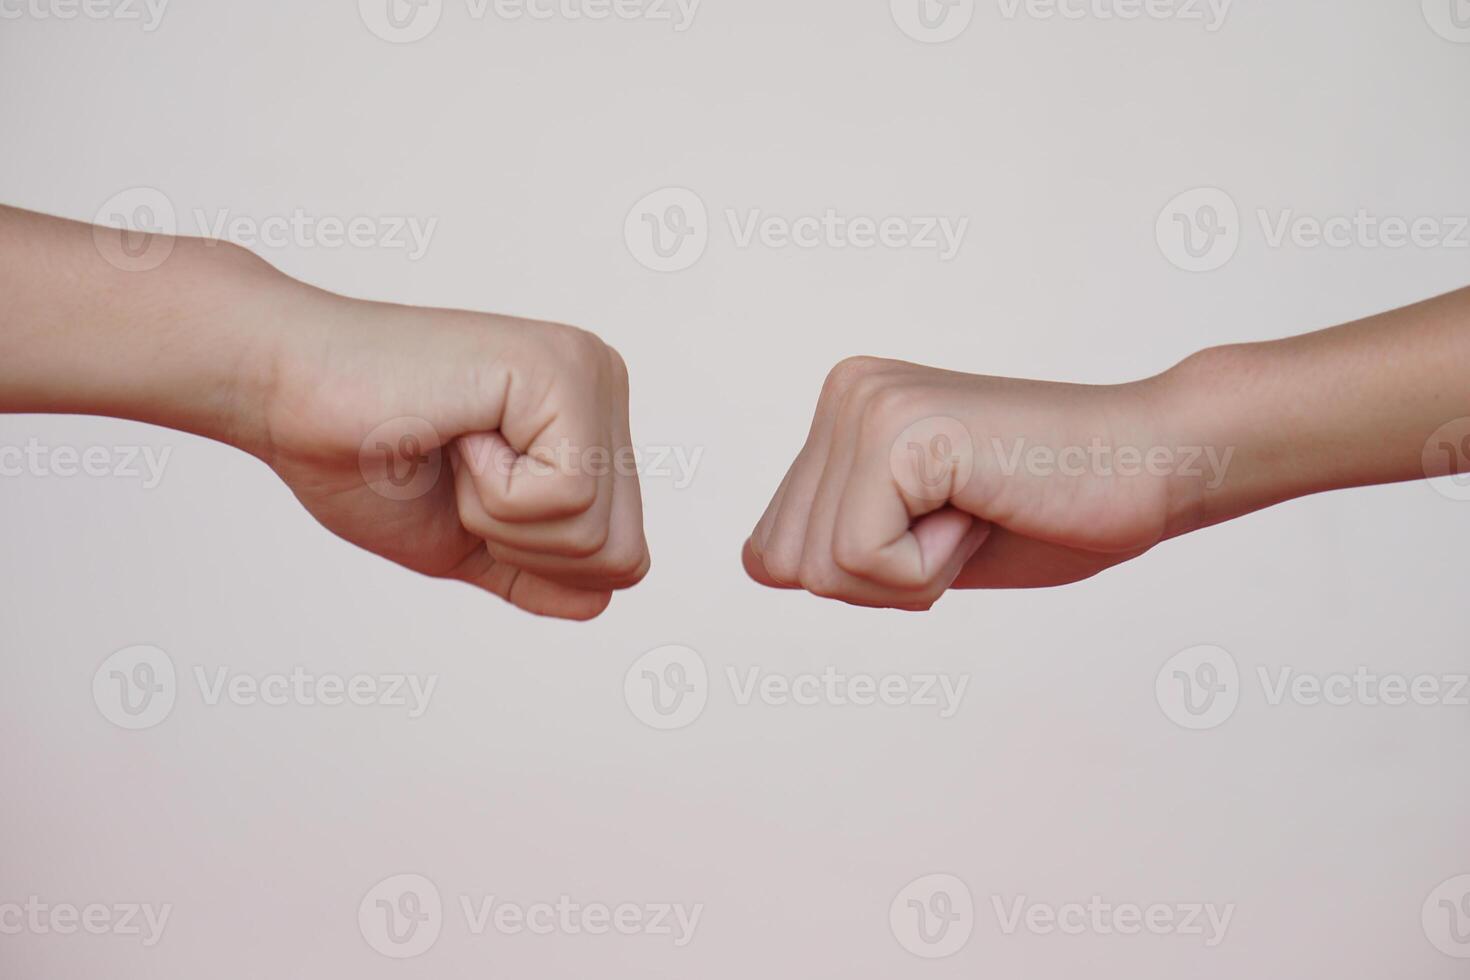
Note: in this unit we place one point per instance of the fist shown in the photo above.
(484, 449)
(914, 481)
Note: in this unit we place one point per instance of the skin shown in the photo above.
(1361, 404)
(907, 486)
(215, 342)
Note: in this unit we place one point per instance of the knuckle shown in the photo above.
(822, 579)
(852, 557)
(625, 567)
(889, 404)
(782, 566)
(619, 364)
(575, 495)
(849, 371)
(475, 521)
(573, 345)
(585, 539)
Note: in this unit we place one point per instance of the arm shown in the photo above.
(357, 406)
(915, 480)
(1351, 406)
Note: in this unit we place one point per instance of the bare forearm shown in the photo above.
(186, 344)
(1350, 406)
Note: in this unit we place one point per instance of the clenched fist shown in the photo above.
(914, 481)
(466, 446)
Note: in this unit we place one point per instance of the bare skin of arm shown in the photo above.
(915, 480)
(511, 422)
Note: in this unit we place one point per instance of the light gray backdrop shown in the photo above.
(823, 839)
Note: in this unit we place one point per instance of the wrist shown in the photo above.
(1192, 405)
(232, 328)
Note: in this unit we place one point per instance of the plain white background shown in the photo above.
(528, 778)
